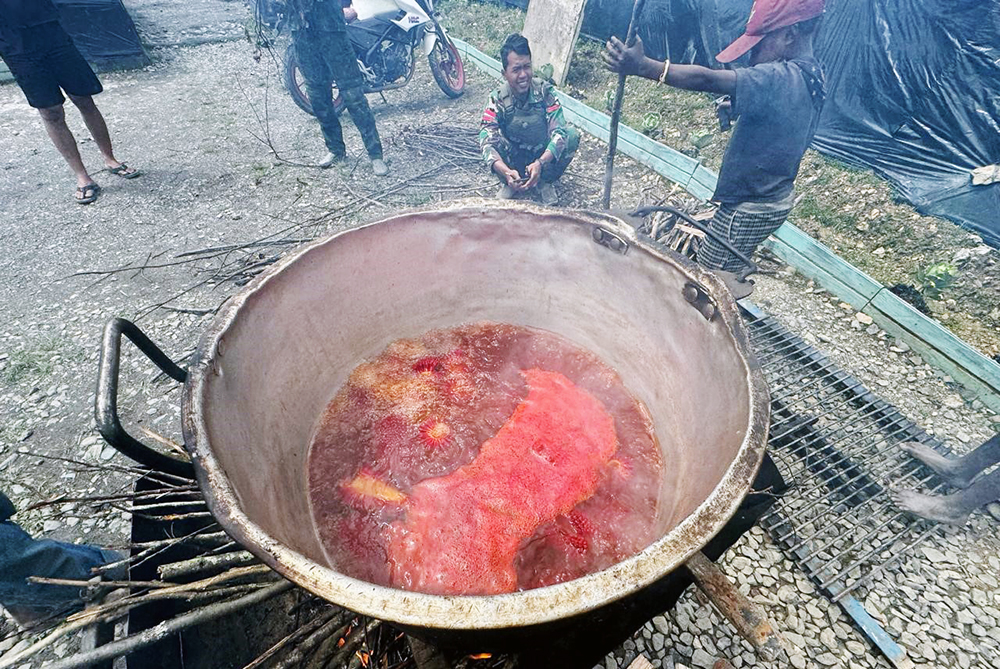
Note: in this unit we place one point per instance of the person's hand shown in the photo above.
(350, 14)
(621, 59)
(534, 173)
(511, 176)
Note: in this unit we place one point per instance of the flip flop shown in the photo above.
(83, 197)
(123, 171)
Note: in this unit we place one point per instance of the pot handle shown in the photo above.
(741, 276)
(749, 619)
(106, 401)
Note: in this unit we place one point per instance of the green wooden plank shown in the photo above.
(700, 191)
(668, 163)
(820, 255)
(583, 116)
(939, 337)
(699, 188)
(627, 134)
(827, 280)
(705, 179)
(933, 356)
(488, 63)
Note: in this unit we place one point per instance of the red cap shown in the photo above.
(767, 16)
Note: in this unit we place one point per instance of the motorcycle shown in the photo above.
(386, 37)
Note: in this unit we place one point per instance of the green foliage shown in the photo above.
(933, 279)
(703, 141)
(35, 364)
(824, 214)
(484, 25)
(586, 69)
(545, 72)
(651, 122)
(609, 99)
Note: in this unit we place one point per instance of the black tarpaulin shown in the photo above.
(913, 87)
(103, 32)
(914, 93)
(689, 31)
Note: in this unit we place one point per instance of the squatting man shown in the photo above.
(523, 135)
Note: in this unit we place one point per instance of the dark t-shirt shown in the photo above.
(17, 18)
(778, 105)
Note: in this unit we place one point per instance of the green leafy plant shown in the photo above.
(651, 122)
(609, 99)
(933, 279)
(546, 71)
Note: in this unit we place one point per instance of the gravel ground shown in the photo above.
(189, 122)
(166, 23)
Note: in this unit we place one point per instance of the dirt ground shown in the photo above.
(201, 123)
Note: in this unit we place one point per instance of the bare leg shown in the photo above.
(959, 472)
(953, 509)
(54, 119)
(98, 128)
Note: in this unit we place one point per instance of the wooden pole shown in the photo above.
(748, 618)
(616, 110)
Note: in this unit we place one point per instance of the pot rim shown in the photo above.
(518, 609)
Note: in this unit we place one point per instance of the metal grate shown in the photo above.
(837, 446)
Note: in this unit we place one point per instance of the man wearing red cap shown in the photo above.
(776, 102)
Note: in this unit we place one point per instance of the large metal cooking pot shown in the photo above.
(278, 351)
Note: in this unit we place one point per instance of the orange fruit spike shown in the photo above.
(435, 433)
(367, 486)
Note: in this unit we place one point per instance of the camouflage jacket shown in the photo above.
(321, 15)
(501, 108)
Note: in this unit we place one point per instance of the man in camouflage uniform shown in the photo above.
(523, 136)
(326, 56)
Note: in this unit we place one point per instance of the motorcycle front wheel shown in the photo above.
(447, 68)
(296, 85)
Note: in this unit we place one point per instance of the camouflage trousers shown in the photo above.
(327, 58)
(519, 158)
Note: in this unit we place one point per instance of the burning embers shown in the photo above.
(480, 460)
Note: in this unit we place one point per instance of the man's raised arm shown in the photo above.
(633, 60)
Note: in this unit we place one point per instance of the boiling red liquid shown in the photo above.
(483, 459)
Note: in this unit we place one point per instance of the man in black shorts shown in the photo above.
(44, 62)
